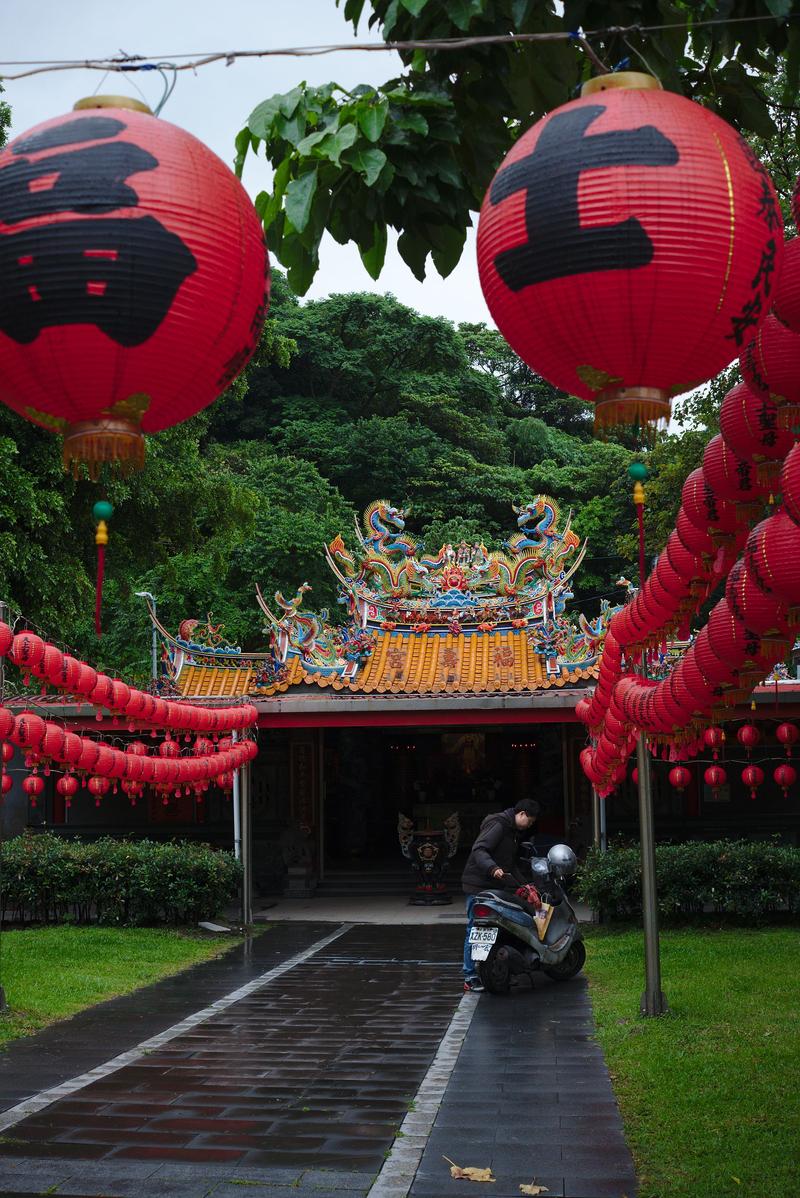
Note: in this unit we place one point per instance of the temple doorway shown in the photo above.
(372, 775)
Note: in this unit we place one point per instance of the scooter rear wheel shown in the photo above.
(573, 963)
(494, 973)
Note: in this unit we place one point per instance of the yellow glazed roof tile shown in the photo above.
(499, 662)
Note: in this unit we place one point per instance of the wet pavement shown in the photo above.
(335, 1056)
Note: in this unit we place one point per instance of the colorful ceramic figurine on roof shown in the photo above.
(465, 618)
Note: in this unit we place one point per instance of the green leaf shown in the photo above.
(291, 129)
(374, 256)
(312, 140)
(415, 7)
(243, 142)
(274, 202)
(299, 198)
(352, 11)
(372, 118)
(287, 103)
(414, 251)
(261, 118)
(448, 244)
(334, 144)
(414, 121)
(368, 163)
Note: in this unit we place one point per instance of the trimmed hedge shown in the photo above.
(47, 879)
(755, 878)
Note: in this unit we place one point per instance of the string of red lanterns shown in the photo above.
(33, 655)
(751, 628)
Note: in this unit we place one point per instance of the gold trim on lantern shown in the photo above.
(112, 102)
(732, 210)
(93, 442)
(633, 80)
(788, 414)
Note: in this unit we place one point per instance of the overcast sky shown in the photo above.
(215, 103)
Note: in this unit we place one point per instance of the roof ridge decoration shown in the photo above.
(396, 593)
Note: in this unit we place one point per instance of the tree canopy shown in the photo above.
(417, 153)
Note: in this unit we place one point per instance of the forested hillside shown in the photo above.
(353, 398)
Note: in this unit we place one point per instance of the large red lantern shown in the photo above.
(593, 233)
(748, 737)
(33, 786)
(786, 301)
(770, 366)
(749, 424)
(135, 278)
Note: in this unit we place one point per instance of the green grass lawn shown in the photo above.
(50, 973)
(710, 1093)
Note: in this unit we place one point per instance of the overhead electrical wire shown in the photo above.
(157, 62)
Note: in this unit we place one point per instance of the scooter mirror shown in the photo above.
(527, 850)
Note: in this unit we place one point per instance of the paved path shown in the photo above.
(289, 1067)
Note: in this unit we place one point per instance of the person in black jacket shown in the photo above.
(495, 859)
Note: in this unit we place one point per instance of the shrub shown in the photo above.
(48, 879)
(754, 878)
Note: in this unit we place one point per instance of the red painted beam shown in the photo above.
(416, 719)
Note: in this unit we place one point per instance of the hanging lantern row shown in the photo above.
(752, 627)
(46, 743)
(591, 228)
(33, 655)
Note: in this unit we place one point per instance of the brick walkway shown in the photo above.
(300, 1085)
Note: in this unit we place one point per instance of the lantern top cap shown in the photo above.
(112, 102)
(633, 80)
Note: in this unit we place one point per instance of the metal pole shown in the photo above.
(653, 1001)
(4, 617)
(321, 792)
(237, 815)
(154, 651)
(247, 847)
(595, 818)
(603, 828)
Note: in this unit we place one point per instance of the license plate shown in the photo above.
(482, 935)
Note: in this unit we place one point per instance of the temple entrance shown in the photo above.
(371, 775)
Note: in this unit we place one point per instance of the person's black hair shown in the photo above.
(529, 806)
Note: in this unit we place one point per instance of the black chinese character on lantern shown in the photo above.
(120, 274)
(557, 244)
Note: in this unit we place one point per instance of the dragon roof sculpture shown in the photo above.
(398, 595)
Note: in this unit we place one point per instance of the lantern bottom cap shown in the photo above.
(107, 440)
(643, 407)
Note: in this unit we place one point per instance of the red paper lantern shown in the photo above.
(137, 748)
(679, 777)
(67, 787)
(50, 662)
(715, 777)
(748, 736)
(33, 786)
(593, 226)
(770, 366)
(98, 787)
(753, 606)
(786, 734)
(6, 783)
(714, 739)
(7, 752)
(752, 776)
(53, 742)
(107, 298)
(6, 638)
(785, 776)
(73, 747)
(696, 538)
(749, 424)
(732, 478)
(772, 557)
(6, 722)
(89, 754)
(27, 649)
(29, 731)
(87, 679)
(169, 748)
(65, 673)
(786, 299)
(707, 510)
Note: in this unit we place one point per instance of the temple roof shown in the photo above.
(466, 620)
(501, 662)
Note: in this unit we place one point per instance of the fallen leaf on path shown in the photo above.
(533, 1189)
(470, 1173)
(736, 1179)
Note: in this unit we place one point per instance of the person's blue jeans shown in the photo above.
(469, 964)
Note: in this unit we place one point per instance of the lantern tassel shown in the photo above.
(101, 540)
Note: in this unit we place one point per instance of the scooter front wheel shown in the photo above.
(495, 973)
(573, 963)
